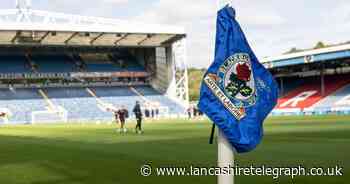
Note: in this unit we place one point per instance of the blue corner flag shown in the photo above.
(237, 92)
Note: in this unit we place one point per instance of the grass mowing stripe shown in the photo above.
(89, 154)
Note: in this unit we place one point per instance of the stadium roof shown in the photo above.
(26, 26)
(311, 56)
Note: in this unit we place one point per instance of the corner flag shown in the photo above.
(237, 93)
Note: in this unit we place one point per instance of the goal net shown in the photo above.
(58, 115)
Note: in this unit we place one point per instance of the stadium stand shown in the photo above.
(81, 106)
(89, 103)
(341, 98)
(35, 64)
(127, 61)
(13, 64)
(21, 103)
(292, 83)
(61, 67)
(314, 81)
(53, 63)
(305, 96)
(113, 63)
(93, 65)
(119, 96)
(155, 96)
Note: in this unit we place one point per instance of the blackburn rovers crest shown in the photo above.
(237, 80)
(234, 84)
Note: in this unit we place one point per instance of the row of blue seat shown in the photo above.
(53, 63)
(79, 104)
(13, 64)
(57, 64)
(21, 103)
(111, 68)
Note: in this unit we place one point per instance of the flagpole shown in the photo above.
(225, 158)
(225, 150)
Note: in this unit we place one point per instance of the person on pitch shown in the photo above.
(122, 115)
(138, 114)
(116, 118)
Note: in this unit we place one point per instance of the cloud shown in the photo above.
(339, 13)
(179, 11)
(272, 26)
(265, 19)
(199, 18)
(116, 1)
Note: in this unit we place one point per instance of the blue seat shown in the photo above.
(22, 103)
(53, 63)
(79, 104)
(124, 96)
(13, 64)
(153, 95)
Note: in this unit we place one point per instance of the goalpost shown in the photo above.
(58, 115)
(5, 114)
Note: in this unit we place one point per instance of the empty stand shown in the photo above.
(117, 96)
(13, 64)
(340, 98)
(155, 96)
(127, 61)
(125, 96)
(21, 103)
(110, 62)
(61, 63)
(289, 84)
(53, 63)
(79, 104)
(308, 94)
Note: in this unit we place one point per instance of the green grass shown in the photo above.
(95, 154)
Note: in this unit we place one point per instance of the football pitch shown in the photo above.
(96, 154)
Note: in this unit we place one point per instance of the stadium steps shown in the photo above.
(50, 105)
(117, 96)
(100, 103)
(30, 63)
(144, 99)
(80, 105)
(154, 96)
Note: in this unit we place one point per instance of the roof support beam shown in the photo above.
(97, 37)
(13, 40)
(45, 35)
(149, 36)
(120, 39)
(71, 37)
(173, 39)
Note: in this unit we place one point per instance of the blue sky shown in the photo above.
(271, 26)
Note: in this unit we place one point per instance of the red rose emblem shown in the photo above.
(243, 72)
